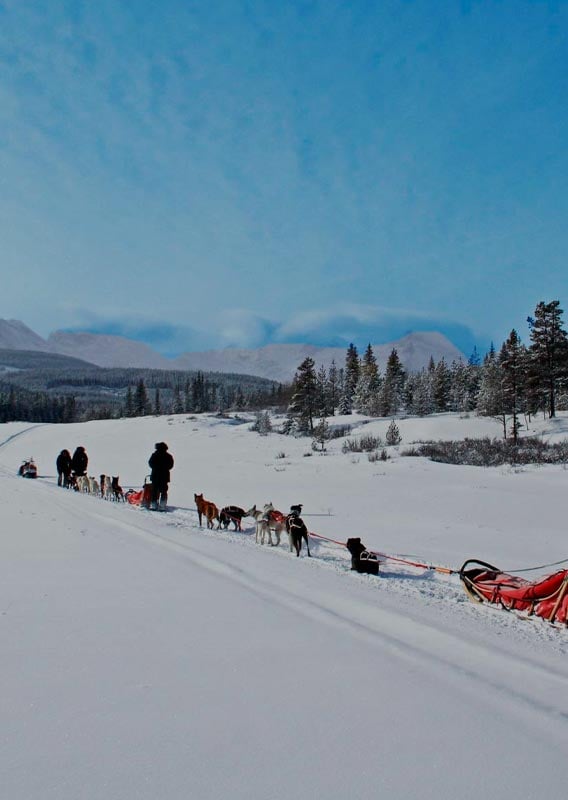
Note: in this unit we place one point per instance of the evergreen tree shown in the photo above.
(512, 362)
(459, 387)
(391, 392)
(350, 378)
(333, 388)
(157, 403)
(488, 398)
(473, 376)
(305, 397)
(549, 350)
(393, 436)
(474, 359)
(320, 435)
(365, 398)
(322, 389)
(442, 386)
(423, 402)
(141, 401)
(129, 410)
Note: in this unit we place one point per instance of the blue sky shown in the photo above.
(238, 172)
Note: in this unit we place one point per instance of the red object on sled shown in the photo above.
(547, 597)
(143, 497)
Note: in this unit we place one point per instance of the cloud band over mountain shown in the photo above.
(336, 327)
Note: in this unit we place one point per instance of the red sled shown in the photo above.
(142, 498)
(547, 597)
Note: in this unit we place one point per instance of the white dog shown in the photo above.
(267, 521)
(82, 483)
(107, 492)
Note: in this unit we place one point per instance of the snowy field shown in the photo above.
(145, 658)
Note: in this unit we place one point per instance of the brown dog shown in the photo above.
(208, 508)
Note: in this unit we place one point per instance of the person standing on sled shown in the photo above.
(80, 461)
(161, 462)
(63, 465)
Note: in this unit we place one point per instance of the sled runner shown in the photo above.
(142, 498)
(28, 469)
(546, 597)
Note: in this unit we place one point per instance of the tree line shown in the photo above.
(200, 394)
(85, 396)
(516, 381)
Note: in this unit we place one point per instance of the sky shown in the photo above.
(241, 172)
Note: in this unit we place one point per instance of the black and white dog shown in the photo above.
(232, 514)
(297, 530)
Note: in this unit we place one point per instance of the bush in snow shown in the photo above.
(363, 444)
(262, 423)
(488, 452)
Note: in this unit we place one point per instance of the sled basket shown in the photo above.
(143, 497)
(546, 597)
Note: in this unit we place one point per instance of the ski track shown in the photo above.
(17, 436)
(409, 636)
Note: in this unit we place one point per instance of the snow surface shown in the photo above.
(144, 657)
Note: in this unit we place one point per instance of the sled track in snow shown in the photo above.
(19, 434)
(519, 686)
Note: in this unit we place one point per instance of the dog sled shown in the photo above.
(546, 597)
(142, 498)
(28, 468)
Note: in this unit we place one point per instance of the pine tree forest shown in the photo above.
(511, 385)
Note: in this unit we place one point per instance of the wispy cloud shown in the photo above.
(335, 327)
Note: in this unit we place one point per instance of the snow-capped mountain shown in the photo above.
(277, 362)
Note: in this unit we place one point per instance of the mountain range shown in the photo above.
(277, 362)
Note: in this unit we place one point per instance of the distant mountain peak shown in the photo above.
(14, 335)
(107, 350)
(276, 362)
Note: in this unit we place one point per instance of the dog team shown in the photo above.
(72, 474)
(268, 521)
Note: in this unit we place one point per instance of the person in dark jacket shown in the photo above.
(161, 462)
(63, 465)
(79, 461)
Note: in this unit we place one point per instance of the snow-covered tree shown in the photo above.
(303, 404)
(365, 397)
(350, 378)
(549, 350)
(393, 434)
(391, 391)
(513, 362)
